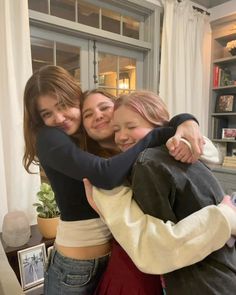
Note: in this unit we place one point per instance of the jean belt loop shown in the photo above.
(54, 251)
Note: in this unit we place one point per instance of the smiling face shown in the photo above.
(129, 127)
(97, 113)
(56, 114)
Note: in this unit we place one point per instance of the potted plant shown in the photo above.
(47, 210)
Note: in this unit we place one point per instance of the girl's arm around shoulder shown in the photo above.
(163, 247)
(56, 150)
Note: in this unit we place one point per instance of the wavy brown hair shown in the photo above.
(90, 144)
(48, 80)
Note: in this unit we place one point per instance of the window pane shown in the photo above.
(88, 14)
(127, 74)
(42, 53)
(107, 70)
(41, 6)
(68, 57)
(130, 28)
(110, 21)
(63, 8)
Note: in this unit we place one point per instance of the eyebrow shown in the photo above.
(100, 104)
(45, 110)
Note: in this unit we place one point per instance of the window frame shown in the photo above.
(149, 30)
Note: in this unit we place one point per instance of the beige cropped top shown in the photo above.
(82, 233)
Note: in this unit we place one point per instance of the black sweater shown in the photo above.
(65, 165)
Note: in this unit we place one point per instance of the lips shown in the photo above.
(65, 126)
(101, 125)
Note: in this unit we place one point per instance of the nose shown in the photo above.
(59, 117)
(98, 115)
(121, 136)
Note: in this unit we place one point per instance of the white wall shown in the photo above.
(222, 10)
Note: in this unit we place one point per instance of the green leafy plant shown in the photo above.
(47, 208)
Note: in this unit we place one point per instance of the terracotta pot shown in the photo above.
(48, 226)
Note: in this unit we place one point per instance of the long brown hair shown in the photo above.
(48, 80)
(90, 144)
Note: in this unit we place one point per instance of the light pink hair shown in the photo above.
(147, 104)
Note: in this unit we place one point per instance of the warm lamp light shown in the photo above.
(124, 80)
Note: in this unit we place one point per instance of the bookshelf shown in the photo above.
(222, 107)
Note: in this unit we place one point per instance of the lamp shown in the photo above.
(124, 80)
(15, 229)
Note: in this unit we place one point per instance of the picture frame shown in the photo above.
(31, 264)
(229, 133)
(233, 153)
(225, 103)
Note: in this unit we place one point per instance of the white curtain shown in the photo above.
(185, 60)
(17, 187)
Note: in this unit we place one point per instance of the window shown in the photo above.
(88, 14)
(46, 52)
(64, 33)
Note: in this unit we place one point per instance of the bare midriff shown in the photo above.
(83, 253)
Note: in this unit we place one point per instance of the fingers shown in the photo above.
(190, 131)
(173, 143)
(227, 201)
(183, 151)
(197, 147)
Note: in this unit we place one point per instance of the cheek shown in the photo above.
(141, 133)
(116, 138)
(48, 122)
(87, 124)
(110, 114)
(74, 114)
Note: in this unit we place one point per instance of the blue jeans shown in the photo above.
(67, 276)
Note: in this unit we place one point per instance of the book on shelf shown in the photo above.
(230, 159)
(231, 165)
(229, 162)
(221, 77)
(216, 76)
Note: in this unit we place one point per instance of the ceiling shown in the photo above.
(210, 3)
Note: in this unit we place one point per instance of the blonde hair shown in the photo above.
(147, 104)
(48, 80)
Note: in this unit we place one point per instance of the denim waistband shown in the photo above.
(63, 261)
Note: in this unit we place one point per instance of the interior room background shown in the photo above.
(163, 46)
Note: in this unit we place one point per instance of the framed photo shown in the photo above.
(31, 264)
(225, 103)
(233, 153)
(229, 133)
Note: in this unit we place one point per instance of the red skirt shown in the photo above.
(122, 277)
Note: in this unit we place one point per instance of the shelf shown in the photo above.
(225, 87)
(225, 60)
(223, 83)
(224, 140)
(220, 168)
(223, 115)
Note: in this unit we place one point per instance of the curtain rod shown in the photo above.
(198, 9)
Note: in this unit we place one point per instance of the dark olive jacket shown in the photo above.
(171, 190)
